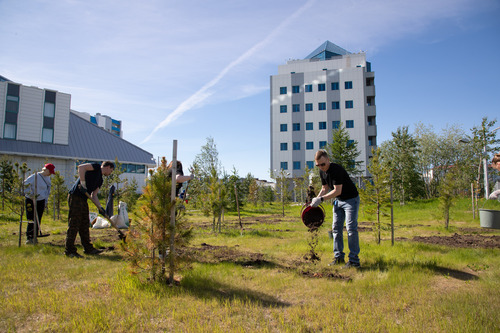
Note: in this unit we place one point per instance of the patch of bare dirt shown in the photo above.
(207, 253)
(465, 241)
(451, 280)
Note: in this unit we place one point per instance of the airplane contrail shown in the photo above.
(203, 93)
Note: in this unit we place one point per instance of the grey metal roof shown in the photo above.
(326, 51)
(86, 142)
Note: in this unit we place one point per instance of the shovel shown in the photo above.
(121, 235)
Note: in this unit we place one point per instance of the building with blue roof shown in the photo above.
(38, 127)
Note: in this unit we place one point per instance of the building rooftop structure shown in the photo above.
(327, 50)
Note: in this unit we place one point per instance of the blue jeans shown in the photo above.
(346, 211)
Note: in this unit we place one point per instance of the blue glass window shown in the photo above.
(321, 87)
(283, 146)
(11, 111)
(284, 165)
(310, 165)
(309, 145)
(296, 165)
(282, 90)
(322, 106)
(309, 126)
(282, 108)
(295, 89)
(309, 107)
(371, 120)
(348, 84)
(349, 124)
(335, 124)
(322, 125)
(283, 127)
(296, 126)
(309, 87)
(349, 104)
(335, 86)
(335, 105)
(296, 146)
(350, 143)
(296, 108)
(322, 144)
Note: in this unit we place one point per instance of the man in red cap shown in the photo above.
(38, 188)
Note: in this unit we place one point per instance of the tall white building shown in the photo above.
(311, 97)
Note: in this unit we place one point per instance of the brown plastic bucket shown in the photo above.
(312, 217)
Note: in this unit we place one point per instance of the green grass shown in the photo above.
(408, 287)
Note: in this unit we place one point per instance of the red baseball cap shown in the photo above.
(50, 167)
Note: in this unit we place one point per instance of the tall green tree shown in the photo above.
(485, 143)
(438, 152)
(210, 184)
(400, 154)
(205, 165)
(344, 151)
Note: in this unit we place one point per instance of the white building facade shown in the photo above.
(38, 127)
(312, 97)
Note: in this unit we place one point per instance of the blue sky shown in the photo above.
(188, 70)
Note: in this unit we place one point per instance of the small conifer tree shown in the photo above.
(58, 194)
(148, 241)
(376, 194)
(447, 193)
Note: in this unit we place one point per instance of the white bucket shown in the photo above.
(489, 218)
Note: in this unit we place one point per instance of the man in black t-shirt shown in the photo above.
(336, 184)
(89, 181)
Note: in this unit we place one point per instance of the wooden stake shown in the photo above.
(172, 214)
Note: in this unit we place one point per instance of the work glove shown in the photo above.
(494, 195)
(102, 211)
(316, 201)
(83, 190)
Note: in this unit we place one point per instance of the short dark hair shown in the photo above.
(321, 153)
(108, 164)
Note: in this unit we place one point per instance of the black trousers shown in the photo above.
(78, 223)
(30, 215)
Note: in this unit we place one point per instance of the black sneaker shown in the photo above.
(73, 255)
(94, 251)
(337, 261)
(351, 264)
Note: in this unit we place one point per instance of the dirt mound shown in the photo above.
(457, 240)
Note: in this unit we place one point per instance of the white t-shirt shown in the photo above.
(42, 186)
